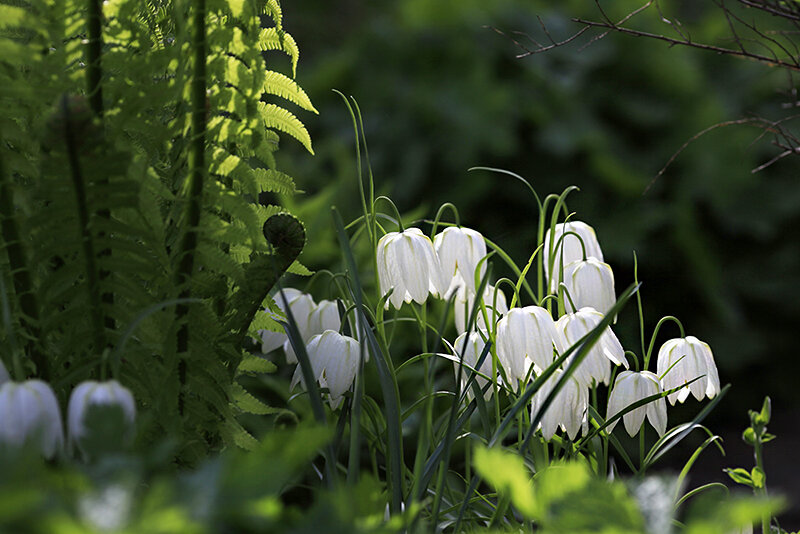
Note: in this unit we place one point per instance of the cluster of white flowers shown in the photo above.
(334, 357)
(529, 339)
(30, 415)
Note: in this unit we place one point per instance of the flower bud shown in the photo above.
(29, 415)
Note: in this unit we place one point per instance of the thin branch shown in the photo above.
(702, 46)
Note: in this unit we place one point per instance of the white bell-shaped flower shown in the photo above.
(590, 283)
(568, 409)
(475, 345)
(694, 359)
(607, 350)
(631, 387)
(526, 336)
(302, 305)
(3, 374)
(460, 250)
(324, 317)
(569, 249)
(334, 361)
(91, 393)
(465, 300)
(408, 264)
(29, 415)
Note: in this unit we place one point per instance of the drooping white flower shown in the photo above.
(693, 359)
(526, 336)
(3, 374)
(607, 350)
(475, 345)
(29, 415)
(334, 362)
(323, 316)
(460, 250)
(568, 250)
(91, 393)
(568, 409)
(465, 300)
(590, 283)
(302, 305)
(408, 264)
(630, 387)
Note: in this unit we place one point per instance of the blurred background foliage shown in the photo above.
(441, 91)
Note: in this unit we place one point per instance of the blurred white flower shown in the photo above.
(590, 283)
(693, 359)
(334, 362)
(475, 345)
(91, 393)
(568, 409)
(630, 387)
(568, 250)
(3, 374)
(29, 415)
(325, 316)
(459, 251)
(525, 336)
(597, 363)
(408, 264)
(465, 300)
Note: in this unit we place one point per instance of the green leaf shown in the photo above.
(758, 477)
(508, 474)
(280, 119)
(248, 403)
(276, 39)
(740, 476)
(284, 87)
(252, 364)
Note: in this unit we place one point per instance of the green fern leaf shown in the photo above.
(284, 87)
(283, 120)
(255, 365)
(247, 403)
(277, 39)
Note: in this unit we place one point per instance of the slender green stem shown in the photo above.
(655, 334)
(20, 275)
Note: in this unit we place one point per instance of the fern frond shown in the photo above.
(284, 87)
(283, 120)
(277, 39)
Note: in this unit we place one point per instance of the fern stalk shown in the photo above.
(194, 203)
(94, 70)
(23, 288)
(92, 276)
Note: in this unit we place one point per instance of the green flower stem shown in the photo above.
(655, 334)
(194, 202)
(759, 456)
(21, 278)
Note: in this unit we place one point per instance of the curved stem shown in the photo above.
(394, 208)
(655, 333)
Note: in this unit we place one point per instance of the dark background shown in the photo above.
(441, 91)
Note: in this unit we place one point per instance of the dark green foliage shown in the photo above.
(122, 190)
